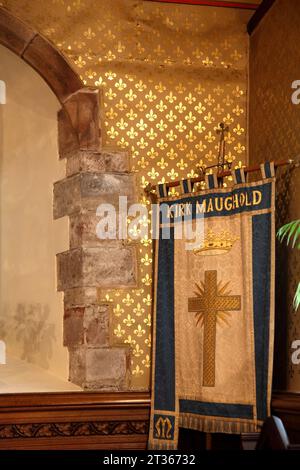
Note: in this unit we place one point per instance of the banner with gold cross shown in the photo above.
(213, 320)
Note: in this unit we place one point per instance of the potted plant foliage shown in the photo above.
(291, 233)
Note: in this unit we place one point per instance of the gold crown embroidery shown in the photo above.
(216, 243)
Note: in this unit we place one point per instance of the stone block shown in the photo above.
(83, 233)
(105, 266)
(85, 191)
(87, 325)
(98, 162)
(73, 326)
(80, 296)
(82, 112)
(102, 369)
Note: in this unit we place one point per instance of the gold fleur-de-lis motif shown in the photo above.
(200, 127)
(171, 116)
(80, 62)
(109, 56)
(190, 136)
(139, 331)
(130, 95)
(210, 137)
(152, 153)
(128, 300)
(120, 47)
(237, 92)
(146, 362)
(238, 129)
(209, 100)
(151, 116)
(151, 134)
(200, 108)
(137, 351)
(238, 111)
(180, 88)
(172, 154)
(161, 106)
(229, 138)
(172, 174)
(131, 115)
(228, 119)
(150, 96)
(171, 97)
(130, 340)
(146, 260)
(119, 332)
(181, 164)
(141, 106)
(161, 125)
(110, 75)
(162, 163)
(120, 85)
(142, 143)
(112, 133)
(181, 145)
(147, 280)
(121, 105)
(239, 148)
(140, 86)
(207, 62)
(180, 107)
(192, 174)
(201, 146)
(111, 114)
(138, 310)
(143, 163)
(122, 124)
(141, 125)
(190, 98)
(181, 127)
(153, 173)
(162, 144)
(218, 109)
(209, 118)
(227, 101)
(122, 143)
(160, 88)
(147, 320)
(118, 310)
(110, 94)
(132, 133)
(148, 341)
(129, 321)
(190, 118)
(137, 371)
(171, 136)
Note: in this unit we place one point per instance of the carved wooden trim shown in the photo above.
(94, 428)
(40, 54)
(74, 420)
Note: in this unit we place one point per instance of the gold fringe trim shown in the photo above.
(206, 424)
(162, 445)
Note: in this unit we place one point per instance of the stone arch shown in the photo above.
(40, 54)
(92, 177)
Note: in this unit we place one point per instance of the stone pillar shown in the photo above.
(92, 177)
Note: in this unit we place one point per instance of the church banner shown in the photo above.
(213, 320)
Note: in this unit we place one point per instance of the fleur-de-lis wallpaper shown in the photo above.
(169, 74)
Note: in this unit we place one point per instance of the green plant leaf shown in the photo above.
(292, 229)
(297, 298)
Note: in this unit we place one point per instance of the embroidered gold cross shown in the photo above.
(211, 301)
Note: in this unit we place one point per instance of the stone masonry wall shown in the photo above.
(92, 177)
